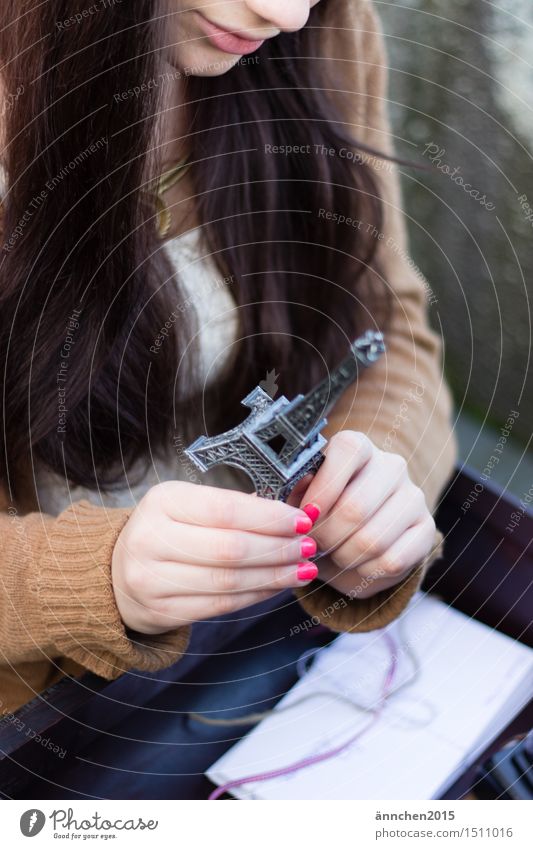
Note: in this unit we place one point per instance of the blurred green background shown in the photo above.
(461, 102)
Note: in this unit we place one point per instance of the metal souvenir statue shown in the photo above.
(280, 441)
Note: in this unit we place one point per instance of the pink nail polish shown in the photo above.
(308, 547)
(312, 510)
(303, 524)
(307, 571)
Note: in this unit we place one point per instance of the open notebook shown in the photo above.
(459, 684)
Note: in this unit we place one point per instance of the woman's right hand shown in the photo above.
(189, 552)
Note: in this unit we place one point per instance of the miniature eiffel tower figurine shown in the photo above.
(280, 441)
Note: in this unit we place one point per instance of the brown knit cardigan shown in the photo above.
(57, 608)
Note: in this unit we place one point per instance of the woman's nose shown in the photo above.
(285, 15)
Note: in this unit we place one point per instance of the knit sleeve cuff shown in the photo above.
(341, 613)
(79, 610)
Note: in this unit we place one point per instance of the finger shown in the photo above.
(346, 453)
(411, 548)
(361, 500)
(199, 580)
(173, 612)
(352, 583)
(298, 491)
(401, 510)
(209, 506)
(223, 547)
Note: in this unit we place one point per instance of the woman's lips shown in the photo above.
(228, 41)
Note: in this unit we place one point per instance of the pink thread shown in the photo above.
(332, 753)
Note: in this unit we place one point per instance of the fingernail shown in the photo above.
(308, 547)
(303, 524)
(307, 571)
(312, 510)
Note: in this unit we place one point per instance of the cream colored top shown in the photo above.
(210, 295)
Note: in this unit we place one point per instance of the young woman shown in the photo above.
(137, 310)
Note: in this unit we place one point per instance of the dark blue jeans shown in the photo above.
(136, 740)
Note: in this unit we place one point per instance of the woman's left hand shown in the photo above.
(374, 524)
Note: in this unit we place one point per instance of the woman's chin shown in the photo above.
(210, 63)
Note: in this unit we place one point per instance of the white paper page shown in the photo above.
(471, 681)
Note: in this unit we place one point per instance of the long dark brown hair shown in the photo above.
(85, 287)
